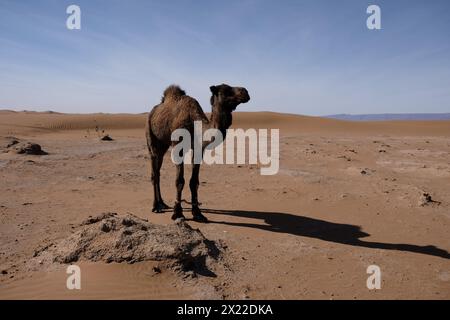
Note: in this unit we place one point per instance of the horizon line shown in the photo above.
(447, 114)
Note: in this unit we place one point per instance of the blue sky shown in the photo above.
(307, 57)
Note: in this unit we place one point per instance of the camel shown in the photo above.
(179, 111)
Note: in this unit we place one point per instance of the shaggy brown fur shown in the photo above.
(178, 110)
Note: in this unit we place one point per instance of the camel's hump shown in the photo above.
(173, 92)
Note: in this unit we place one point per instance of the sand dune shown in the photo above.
(347, 195)
(45, 121)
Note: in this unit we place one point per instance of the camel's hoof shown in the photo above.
(160, 207)
(177, 212)
(178, 218)
(200, 218)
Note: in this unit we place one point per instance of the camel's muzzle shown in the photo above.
(244, 96)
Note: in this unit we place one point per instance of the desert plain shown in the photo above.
(347, 195)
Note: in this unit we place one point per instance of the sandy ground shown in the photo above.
(347, 196)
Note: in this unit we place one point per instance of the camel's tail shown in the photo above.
(172, 92)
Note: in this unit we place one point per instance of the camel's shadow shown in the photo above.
(314, 228)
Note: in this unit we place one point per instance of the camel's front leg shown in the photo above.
(179, 182)
(193, 185)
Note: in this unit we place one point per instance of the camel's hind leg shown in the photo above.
(158, 203)
(179, 182)
(162, 203)
(193, 185)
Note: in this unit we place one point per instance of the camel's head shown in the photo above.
(228, 97)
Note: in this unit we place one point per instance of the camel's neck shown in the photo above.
(220, 119)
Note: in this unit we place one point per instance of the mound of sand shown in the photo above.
(32, 122)
(113, 238)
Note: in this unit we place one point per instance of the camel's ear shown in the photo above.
(214, 90)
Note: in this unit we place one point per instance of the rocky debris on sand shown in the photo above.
(27, 148)
(426, 199)
(367, 171)
(345, 157)
(11, 141)
(107, 138)
(113, 238)
(156, 270)
(7, 142)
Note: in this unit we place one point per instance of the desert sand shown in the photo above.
(347, 195)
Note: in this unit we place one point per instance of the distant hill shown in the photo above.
(391, 116)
